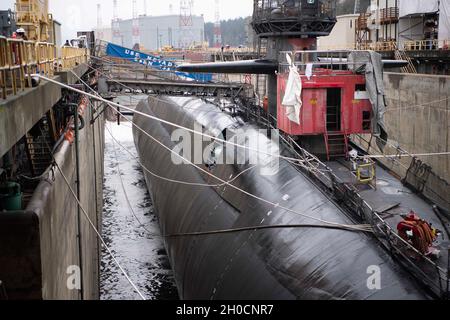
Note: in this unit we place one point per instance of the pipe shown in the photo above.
(261, 66)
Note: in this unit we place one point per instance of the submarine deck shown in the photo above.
(391, 199)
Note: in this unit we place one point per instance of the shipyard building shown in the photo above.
(155, 32)
(399, 29)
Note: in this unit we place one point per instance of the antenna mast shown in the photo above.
(217, 27)
(186, 24)
(136, 39)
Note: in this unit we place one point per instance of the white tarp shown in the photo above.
(444, 22)
(292, 97)
(411, 7)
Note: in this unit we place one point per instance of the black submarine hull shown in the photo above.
(275, 264)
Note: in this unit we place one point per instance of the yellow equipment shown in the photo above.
(366, 172)
(33, 16)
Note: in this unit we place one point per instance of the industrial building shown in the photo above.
(342, 36)
(154, 32)
(406, 22)
(418, 31)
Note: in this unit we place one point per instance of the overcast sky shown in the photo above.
(82, 14)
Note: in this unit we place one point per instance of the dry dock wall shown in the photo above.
(38, 246)
(57, 211)
(418, 120)
(18, 114)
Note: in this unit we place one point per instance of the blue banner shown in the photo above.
(153, 62)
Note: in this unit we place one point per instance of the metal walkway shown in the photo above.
(156, 86)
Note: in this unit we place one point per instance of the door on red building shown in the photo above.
(334, 110)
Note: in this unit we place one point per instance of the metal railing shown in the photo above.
(282, 9)
(319, 59)
(389, 15)
(378, 46)
(71, 57)
(362, 21)
(426, 45)
(20, 59)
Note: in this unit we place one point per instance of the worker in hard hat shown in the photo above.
(21, 34)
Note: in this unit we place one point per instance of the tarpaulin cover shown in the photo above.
(444, 22)
(292, 97)
(153, 62)
(411, 7)
(373, 64)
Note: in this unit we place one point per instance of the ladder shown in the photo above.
(38, 151)
(336, 144)
(336, 139)
(401, 55)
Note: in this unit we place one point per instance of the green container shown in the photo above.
(10, 197)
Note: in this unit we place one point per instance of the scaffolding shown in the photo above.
(33, 16)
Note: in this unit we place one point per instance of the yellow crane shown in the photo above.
(33, 16)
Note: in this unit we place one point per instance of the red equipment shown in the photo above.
(335, 103)
(419, 232)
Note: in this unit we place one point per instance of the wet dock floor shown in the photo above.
(130, 227)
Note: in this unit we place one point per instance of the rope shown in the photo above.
(275, 205)
(119, 173)
(297, 162)
(366, 228)
(258, 228)
(409, 155)
(55, 163)
(308, 159)
(99, 235)
(110, 104)
(226, 231)
(427, 104)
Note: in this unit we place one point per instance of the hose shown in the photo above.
(257, 228)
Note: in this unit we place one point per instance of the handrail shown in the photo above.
(378, 46)
(19, 59)
(426, 45)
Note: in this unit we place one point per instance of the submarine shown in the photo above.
(263, 265)
(242, 231)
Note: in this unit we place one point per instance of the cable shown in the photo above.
(298, 162)
(93, 226)
(225, 231)
(111, 104)
(427, 104)
(98, 234)
(178, 181)
(119, 172)
(257, 228)
(276, 205)
(409, 155)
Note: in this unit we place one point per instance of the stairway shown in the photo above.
(401, 55)
(38, 149)
(336, 145)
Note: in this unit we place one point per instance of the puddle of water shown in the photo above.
(139, 250)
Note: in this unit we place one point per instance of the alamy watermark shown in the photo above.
(73, 277)
(234, 147)
(374, 279)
